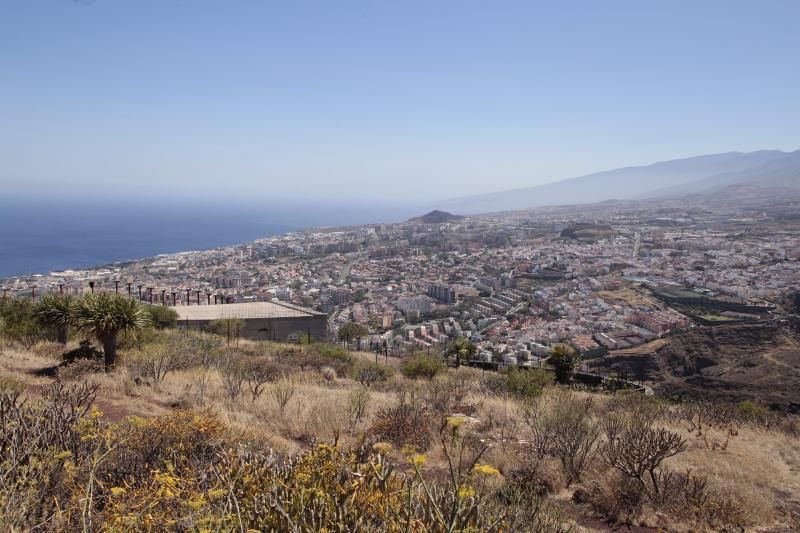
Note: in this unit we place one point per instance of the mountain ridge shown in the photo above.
(625, 183)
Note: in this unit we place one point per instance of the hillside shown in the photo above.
(435, 217)
(623, 183)
(781, 172)
(188, 431)
(757, 362)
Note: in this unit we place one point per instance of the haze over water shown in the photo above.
(37, 237)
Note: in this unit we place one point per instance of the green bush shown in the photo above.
(370, 373)
(336, 353)
(527, 383)
(422, 366)
(162, 317)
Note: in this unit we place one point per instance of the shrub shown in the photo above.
(370, 373)
(11, 386)
(259, 372)
(493, 384)
(18, 323)
(318, 355)
(282, 392)
(637, 448)
(154, 361)
(527, 383)
(446, 392)
(162, 317)
(407, 422)
(328, 373)
(421, 366)
(233, 376)
(357, 403)
(80, 369)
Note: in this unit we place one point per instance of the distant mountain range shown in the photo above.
(704, 174)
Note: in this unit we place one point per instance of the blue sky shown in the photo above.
(404, 100)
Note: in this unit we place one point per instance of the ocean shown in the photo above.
(42, 236)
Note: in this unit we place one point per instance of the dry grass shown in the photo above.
(758, 467)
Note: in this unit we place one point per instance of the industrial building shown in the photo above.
(262, 320)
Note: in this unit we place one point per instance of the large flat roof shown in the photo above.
(243, 311)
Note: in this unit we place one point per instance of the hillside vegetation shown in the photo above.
(188, 433)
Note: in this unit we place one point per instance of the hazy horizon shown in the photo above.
(397, 103)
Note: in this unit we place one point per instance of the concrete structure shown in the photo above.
(262, 320)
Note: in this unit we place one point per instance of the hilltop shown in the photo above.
(435, 217)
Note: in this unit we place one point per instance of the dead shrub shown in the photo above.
(282, 392)
(637, 448)
(407, 422)
(357, 404)
(80, 369)
(565, 431)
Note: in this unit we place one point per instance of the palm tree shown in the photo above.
(105, 315)
(56, 310)
(566, 362)
(462, 349)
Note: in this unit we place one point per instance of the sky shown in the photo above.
(380, 100)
